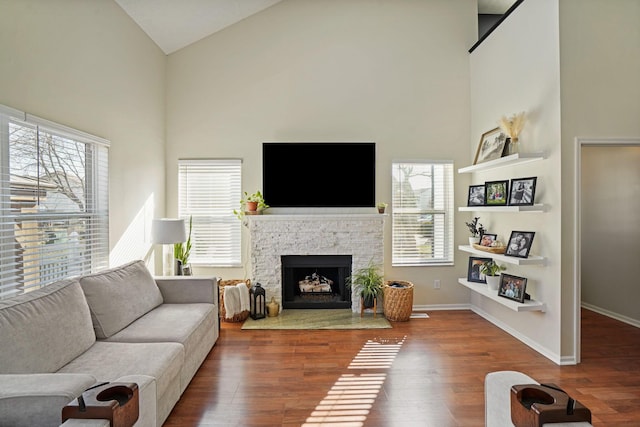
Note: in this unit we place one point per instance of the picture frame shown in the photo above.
(492, 146)
(512, 287)
(519, 244)
(473, 271)
(487, 239)
(523, 191)
(476, 195)
(496, 193)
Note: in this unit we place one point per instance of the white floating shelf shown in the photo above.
(531, 260)
(483, 289)
(532, 208)
(513, 159)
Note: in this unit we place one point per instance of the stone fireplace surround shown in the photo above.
(274, 235)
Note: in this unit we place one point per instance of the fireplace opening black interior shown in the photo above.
(315, 281)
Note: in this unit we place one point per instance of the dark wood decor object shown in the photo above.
(116, 402)
(533, 405)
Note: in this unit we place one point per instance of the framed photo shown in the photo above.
(512, 287)
(473, 272)
(496, 193)
(519, 244)
(523, 191)
(476, 195)
(487, 239)
(491, 146)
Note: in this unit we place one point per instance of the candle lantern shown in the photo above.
(257, 302)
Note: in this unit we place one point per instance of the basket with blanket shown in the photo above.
(234, 300)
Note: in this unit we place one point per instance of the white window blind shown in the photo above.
(422, 213)
(208, 192)
(54, 218)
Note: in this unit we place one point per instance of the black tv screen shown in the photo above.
(319, 174)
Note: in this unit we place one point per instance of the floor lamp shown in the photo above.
(167, 232)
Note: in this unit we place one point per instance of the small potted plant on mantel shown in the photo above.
(251, 204)
(476, 229)
(381, 207)
(491, 271)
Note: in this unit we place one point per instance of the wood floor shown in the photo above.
(424, 372)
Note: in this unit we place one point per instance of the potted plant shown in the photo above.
(253, 203)
(367, 282)
(491, 271)
(181, 252)
(476, 229)
(381, 207)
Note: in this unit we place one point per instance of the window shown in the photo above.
(208, 192)
(422, 213)
(54, 217)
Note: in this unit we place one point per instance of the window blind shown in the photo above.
(54, 219)
(422, 213)
(208, 192)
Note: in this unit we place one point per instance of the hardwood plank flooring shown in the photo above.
(424, 372)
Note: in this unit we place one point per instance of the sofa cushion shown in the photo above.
(192, 325)
(119, 296)
(29, 400)
(108, 361)
(43, 330)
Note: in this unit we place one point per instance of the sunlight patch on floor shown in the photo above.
(348, 402)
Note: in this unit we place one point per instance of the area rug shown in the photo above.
(319, 319)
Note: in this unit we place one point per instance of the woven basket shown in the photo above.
(398, 302)
(238, 317)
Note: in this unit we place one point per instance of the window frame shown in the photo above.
(441, 192)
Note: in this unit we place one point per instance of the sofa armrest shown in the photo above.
(38, 399)
(188, 289)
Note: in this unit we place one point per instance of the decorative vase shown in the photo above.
(493, 282)
(473, 240)
(273, 308)
(514, 146)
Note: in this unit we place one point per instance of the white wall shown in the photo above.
(392, 72)
(85, 64)
(600, 74)
(517, 69)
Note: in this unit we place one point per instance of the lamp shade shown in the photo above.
(168, 231)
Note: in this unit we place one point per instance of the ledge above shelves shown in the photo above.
(483, 289)
(513, 159)
(532, 208)
(531, 260)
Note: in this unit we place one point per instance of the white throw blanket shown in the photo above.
(236, 300)
(244, 296)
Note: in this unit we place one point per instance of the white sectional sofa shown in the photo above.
(119, 325)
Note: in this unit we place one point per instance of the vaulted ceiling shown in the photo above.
(174, 24)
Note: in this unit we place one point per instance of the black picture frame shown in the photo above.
(519, 244)
(491, 147)
(523, 191)
(487, 238)
(512, 287)
(496, 193)
(473, 271)
(476, 195)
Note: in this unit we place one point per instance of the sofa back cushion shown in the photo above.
(43, 330)
(119, 296)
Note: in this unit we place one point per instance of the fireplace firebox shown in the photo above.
(316, 281)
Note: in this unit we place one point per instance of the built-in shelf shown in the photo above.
(530, 260)
(483, 289)
(531, 208)
(511, 160)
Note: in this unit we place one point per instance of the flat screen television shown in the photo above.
(319, 174)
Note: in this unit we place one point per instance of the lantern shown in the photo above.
(257, 302)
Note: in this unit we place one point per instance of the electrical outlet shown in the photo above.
(436, 284)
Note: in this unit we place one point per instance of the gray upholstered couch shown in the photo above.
(119, 325)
